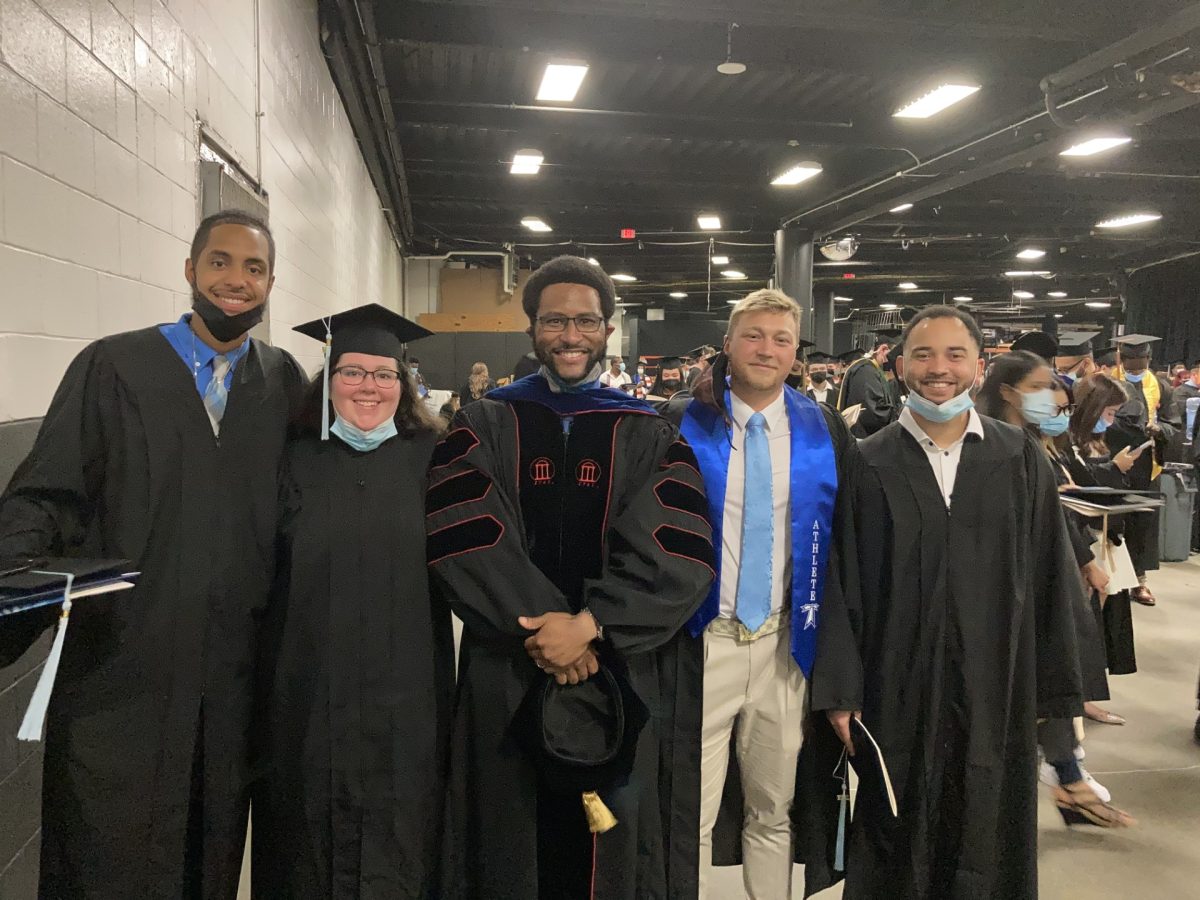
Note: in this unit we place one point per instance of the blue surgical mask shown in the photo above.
(1101, 426)
(1055, 425)
(1038, 406)
(1129, 376)
(414, 370)
(364, 441)
(1069, 380)
(622, 367)
(939, 412)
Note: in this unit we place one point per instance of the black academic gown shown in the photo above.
(146, 775)
(965, 635)
(360, 667)
(523, 522)
(865, 383)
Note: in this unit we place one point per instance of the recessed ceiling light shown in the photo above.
(622, 276)
(1057, 294)
(1098, 304)
(903, 207)
(963, 298)
(907, 285)
(560, 82)
(936, 100)
(720, 260)
(1031, 253)
(1095, 145)
(1023, 295)
(534, 224)
(1027, 273)
(526, 162)
(1058, 315)
(1126, 221)
(797, 174)
(887, 305)
(709, 222)
(733, 274)
(678, 295)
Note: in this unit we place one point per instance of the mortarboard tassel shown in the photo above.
(35, 715)
(325, 378)
(839, 858)
(600, 818)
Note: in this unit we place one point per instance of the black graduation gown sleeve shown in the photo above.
(867, 385)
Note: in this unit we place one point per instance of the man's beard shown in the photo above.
(545, 356)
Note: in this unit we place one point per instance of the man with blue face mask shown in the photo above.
(965, 632)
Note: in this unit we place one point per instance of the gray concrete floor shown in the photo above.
(1151, 765)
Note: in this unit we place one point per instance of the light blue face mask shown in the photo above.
(1055, 425)
(1038, 406)
(1136, 379)
(1101, 426)
(364, 441)
(622, 367)
(939, 412)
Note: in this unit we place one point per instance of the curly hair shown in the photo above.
(568, 270)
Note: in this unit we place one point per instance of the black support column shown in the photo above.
(794, 275)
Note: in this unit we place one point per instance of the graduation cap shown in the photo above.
(850, 356)
(371, 329)
(1105, 356)
(1135, 346)
(1037, 342)
(1075, 343)
(582, 738)
(801, 346)
(704, 351)
(820, 357)
(894, 354)
(670, 362)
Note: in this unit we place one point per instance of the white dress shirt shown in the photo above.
(820, 393)
(779, 442)
(943, 460)
(608, 379)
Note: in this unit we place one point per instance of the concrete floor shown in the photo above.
(1151, 765)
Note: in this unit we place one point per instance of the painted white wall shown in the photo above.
(101, 102)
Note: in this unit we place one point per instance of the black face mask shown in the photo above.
(225, 328)
(819, 377)
(670, 386)
(795, 381)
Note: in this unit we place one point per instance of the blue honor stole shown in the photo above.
(813, 491)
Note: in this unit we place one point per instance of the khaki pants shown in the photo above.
(758, 685)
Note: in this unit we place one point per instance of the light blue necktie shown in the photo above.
(216, 395)
(758, 522)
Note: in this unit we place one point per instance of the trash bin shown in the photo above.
(1177, 484)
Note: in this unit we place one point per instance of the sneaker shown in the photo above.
(1100, 790)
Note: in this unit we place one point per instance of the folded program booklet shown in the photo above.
(28, 584)
(868, 761)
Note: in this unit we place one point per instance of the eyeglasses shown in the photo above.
(1067, 408)
(356, 375)
(585, 324)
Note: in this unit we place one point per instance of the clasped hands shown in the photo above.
(561, 645)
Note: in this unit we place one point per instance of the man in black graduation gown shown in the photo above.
(567, 528)
(866, 384)
(963, 634)
(161, 446)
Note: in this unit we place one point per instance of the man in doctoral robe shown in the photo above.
(770, 459)
(161, 446)
(567, 528)
(963, 634)
(866, 384)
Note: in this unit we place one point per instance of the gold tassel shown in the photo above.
(600, 817)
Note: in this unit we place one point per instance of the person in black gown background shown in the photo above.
(161, 446)
(358, 664)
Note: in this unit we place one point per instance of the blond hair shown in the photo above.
(765, 300)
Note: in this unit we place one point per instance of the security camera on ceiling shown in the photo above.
(840, 251)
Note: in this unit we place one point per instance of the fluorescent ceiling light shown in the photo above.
(1026, 273)
(733, 274)
(837, 299)
(678, 295)
(561, 82)
(1058, 315)
(534, 224)
(709, 222)
(1023, 295)
(903, 207)
(593, 261)
(887, 305)
(1126, 221)
(720, 260)
(797, 174)
(1031, 253)
(963, 298)
(1057, 294)
(1098, 304)
(526, 162)
(1095, 145)
(733, 302)
(907, 285)
(621, 276)
(936, 100)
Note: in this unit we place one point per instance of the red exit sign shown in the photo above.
(628, 234)
(848, 275)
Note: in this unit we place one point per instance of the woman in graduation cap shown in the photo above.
(358, 665)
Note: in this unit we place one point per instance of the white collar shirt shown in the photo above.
(943, 460)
